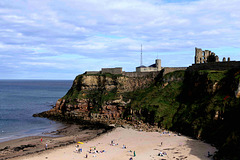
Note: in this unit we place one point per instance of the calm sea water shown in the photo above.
(20, 99)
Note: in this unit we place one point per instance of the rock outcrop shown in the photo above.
(98, 97)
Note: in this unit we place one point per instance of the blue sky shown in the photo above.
(45, 39)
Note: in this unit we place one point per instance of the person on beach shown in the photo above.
(41, 140)
(86, 155)
(209, 155)
(134, 154)
(46, 146)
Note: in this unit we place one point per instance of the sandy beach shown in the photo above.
(56, 139)
(147, 145)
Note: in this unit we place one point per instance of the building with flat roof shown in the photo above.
(152, 68)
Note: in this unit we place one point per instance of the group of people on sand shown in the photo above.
(78, 150)
(165, 133)
(92, 150)
(134, 155)
(113, 144)
(123, 147)
(162, 154)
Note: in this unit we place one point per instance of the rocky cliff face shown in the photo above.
(203, 104)
(98, 97)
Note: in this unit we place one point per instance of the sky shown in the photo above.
(46, 39)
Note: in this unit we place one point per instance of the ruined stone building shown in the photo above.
(202, 59)
(205, 56)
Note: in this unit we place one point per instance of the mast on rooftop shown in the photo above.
(141, 56)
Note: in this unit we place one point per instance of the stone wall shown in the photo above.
(140, 74)
(92, 72)
(215, 66)
(146, 69)
(117, 70)
(172, 69)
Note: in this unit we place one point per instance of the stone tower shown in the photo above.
(198, 55)
(158, 64)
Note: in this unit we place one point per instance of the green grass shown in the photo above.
(214, 75)
(161, 101)
(176, 74)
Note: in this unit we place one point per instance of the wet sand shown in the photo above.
(33, 144)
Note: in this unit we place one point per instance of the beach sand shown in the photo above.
(30, 145)
(147, 146)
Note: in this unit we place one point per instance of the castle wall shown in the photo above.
(146, 69)
(92, 72)
(117, 70)
(172, 69)
(140, 74)
(215, 66)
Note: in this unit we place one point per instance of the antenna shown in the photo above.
(141, 56)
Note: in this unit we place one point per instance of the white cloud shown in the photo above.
(112, 31)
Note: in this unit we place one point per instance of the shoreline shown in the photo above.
(45, 133)
(70, 134)
(147, 145)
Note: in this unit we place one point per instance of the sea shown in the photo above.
(20, 99)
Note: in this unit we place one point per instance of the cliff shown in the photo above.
(209, 109)
(199, 103)
(98, 97)
(203, 104)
